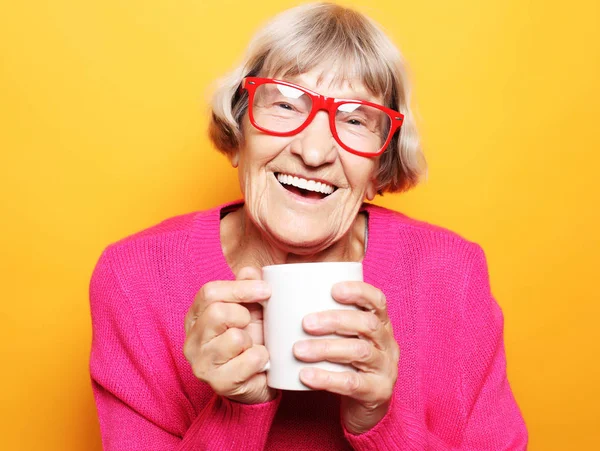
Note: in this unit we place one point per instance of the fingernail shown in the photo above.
(308, 374)
(311, 321)
(264, 289)
(301, 348)
(340, 291)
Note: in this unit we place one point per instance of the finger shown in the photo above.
(353, 384)
(219, 317)
(225, 347)
(354, 351)
(235, 291)
(241, 368)
(348, 323)
(346, 383)
(255, 328)
(363, 295)
(249, 273)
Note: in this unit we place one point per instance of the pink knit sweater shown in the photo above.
(452, 392)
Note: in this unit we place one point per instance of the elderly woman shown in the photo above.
(316, 119)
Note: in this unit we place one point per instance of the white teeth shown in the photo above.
(301, 183)
(309, 185)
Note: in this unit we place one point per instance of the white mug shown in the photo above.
(298, 289)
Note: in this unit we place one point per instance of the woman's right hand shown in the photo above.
(224, 337)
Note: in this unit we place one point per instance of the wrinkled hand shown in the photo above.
(224, 337)
(369, 345)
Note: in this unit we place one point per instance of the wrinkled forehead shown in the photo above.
(338, 82)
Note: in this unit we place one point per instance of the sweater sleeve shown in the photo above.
(493, 420)
(490, 415)
(135, 411)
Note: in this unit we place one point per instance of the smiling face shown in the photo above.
(303, 192)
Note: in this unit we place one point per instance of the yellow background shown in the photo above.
(103, 133)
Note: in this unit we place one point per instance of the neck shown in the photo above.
(245, 245)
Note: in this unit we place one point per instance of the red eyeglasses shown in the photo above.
(281, 108)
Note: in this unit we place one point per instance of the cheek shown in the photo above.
(259, 149)
(359, 171)
(258, 152)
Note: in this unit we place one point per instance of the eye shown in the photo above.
(285, 106)
(354, 122)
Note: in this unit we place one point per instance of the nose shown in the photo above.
(316, 144)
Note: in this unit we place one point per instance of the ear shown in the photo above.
(371, 189)
(234, 158)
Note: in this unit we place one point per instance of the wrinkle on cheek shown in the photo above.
(345, 215)
(257, 194)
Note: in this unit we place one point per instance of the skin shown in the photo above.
(224, 337)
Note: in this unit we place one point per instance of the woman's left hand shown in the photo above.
(372, 350)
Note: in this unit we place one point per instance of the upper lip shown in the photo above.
(326, 182)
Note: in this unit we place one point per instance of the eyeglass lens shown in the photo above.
(281, 109)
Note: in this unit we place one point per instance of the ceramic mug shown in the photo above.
(297, 290)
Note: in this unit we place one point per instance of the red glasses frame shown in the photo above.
(321, 102)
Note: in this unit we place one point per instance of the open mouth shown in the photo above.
(308, 189)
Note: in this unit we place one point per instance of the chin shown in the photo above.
(301, 240)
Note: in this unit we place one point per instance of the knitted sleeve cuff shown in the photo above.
(226, 425)
(391, 432)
